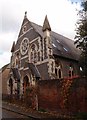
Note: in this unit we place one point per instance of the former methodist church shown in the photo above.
(40, 54)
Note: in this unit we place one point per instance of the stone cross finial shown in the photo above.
(25, 14)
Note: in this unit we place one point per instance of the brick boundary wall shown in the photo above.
(50, 97)
(49, 94)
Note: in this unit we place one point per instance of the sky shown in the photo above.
(62, 16)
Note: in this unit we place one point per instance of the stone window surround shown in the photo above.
(58, 68)
(24, 46)
(54, 66)
(33, 53)
(24, 24)
(71, 69)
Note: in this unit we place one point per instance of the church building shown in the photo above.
(40, 54)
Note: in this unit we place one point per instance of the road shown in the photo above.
(10, 114)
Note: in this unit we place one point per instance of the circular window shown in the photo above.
(24, 46)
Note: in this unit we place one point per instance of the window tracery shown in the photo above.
(34, 53)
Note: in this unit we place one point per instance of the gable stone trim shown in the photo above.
(16, 50)
(25, 32)
(37, 38)
(24, 24)
(26, 68)
(24, 57)
(21, 68)
(41, 62)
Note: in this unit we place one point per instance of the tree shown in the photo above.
(81, 37)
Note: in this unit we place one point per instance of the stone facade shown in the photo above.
(50, 55)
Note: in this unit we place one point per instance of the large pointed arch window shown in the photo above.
(34, 53)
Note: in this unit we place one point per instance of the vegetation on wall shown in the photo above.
(66, 91)
(30, 96)
(81, 37)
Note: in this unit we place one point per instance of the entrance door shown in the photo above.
(25, 83)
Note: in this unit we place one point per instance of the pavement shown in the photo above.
(33, 114)
(23, 111)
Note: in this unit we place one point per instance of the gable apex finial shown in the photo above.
(25, 14)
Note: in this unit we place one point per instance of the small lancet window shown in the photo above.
(58, 69)
(17, 60)
(59, 73)
(71, 71)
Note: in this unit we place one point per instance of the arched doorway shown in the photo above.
(25, 83)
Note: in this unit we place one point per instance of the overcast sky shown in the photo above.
(62, 15)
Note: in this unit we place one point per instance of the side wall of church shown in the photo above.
(66, 64)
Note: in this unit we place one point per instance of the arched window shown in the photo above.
(17, 60)
(34, 53)
(71, 71)
(58, 69)
(60, 73)
(56, 72)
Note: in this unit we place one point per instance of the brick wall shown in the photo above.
(49, 94)
(51, 99)
(77, 100)
(5, 75)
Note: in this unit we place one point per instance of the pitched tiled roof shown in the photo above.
(16, 73)
(62, 46)
(7, 66)
(34, 70)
